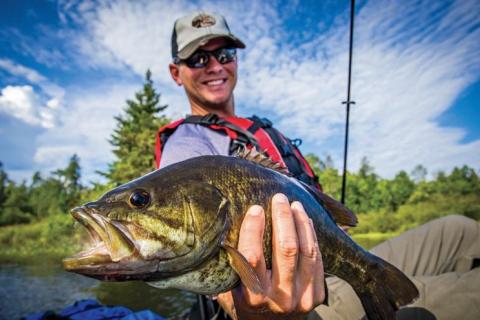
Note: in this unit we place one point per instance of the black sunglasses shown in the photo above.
(201, 58)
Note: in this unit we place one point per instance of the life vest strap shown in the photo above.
(249, 132)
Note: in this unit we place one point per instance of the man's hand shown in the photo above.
(295, 285)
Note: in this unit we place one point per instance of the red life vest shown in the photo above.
(250, 132)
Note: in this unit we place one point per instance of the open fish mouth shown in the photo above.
(112, 242)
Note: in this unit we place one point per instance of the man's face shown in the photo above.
(210, 87)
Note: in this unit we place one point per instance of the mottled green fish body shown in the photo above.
(170, 228)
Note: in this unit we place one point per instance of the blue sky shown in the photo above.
(66, 68)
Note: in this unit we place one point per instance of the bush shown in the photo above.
(54, 237)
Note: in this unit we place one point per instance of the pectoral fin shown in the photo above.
(244, 270)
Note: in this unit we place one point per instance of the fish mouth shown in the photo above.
(112, 243)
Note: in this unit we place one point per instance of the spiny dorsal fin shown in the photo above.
(262, 159)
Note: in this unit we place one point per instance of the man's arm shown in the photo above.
(295, 285)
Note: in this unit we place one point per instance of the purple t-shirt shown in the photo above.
(192, 140)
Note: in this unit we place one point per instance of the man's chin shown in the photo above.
(217, 103)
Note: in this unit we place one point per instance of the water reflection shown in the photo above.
(45, 286)
(138, 295)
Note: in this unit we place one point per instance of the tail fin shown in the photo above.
(386, 291)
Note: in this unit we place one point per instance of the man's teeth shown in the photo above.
(214, 82)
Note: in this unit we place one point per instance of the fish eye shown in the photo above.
(139, 199)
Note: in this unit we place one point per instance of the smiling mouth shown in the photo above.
(111, 241)
(213, 83)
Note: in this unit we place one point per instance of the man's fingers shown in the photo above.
(285, 250)
(250, 245)
(307, 260)
(320, 290)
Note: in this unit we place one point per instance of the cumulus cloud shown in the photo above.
(23, 103)
(84, 129)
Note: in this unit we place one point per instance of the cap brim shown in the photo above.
(194, 45)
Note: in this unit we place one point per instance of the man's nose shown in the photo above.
(213, 66)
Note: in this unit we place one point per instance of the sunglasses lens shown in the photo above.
(225, 55)
(200, 58)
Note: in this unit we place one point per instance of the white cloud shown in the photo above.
(84, 129)
(18, 70)
(412, 60)
(23, 103)
(32, 76)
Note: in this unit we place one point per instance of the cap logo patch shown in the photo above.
(203, 20)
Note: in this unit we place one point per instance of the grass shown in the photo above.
(50, 238)
(371, 239)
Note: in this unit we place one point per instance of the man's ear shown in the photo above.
(175, 73)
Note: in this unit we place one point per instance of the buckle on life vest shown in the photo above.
(208, 119)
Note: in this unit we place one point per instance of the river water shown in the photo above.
(43, 285)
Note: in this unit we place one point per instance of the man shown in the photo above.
(295, 285)
(204, 63)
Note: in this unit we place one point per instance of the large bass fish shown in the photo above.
(178, 227)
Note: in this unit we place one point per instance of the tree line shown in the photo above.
(383, 205)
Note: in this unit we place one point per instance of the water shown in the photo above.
(42, 286)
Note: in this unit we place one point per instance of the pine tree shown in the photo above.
(134, 137)
(70, 180)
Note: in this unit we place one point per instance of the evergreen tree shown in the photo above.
(134, 137)
(419, 173)
(70, 179)
(57, 193)
(16, 208)
(47, 196)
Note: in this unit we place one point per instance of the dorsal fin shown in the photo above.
(341, 214)
(262, 159)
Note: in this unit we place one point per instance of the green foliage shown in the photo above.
(134, 137)
(54, 237)
(391, 206)
(70, 180)
(385, 207)
(58, 193)
(16, 208)
(45, 201)
(419, 173)
(95, 192)
(44, 197)
(327, 174)
(3, 185)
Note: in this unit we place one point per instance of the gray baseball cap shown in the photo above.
(196, 29)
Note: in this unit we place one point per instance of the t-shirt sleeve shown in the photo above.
(184, 148)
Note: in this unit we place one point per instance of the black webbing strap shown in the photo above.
(244, 136)
(286, 148)
(257, 124)
(283, 145)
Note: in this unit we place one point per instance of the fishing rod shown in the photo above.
(348, 102)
